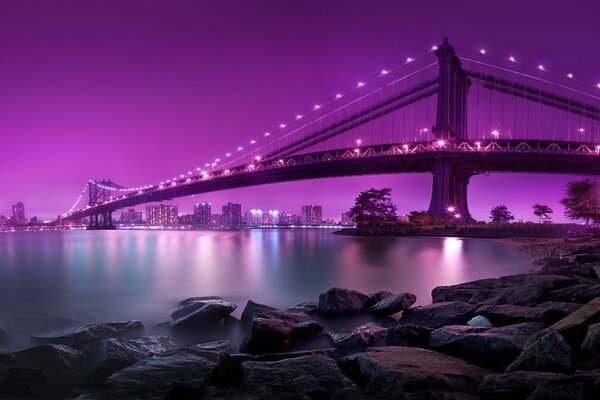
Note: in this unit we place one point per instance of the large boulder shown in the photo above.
(408, 335)
(104, 357)
(396, 372)
(155, 376)
(508, 314)
(308, 308)
(516, 385)
(487, 346)
(376, 297)
(274, 331)
(337, 301)
(21, 383)
(200, 312)
(308, 377)
(393, 304)
(560, 307)
(570, 294)
(590, 348)
(79, 337)
(547, 351)
(438, 314)
(58, 363)
(361, 337)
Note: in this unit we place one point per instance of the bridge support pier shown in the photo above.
(449, 192)
(101, 221)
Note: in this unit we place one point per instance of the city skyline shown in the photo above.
(136, 115)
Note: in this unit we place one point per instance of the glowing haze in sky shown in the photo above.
(137, 91)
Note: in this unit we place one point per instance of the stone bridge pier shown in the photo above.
(449, 191)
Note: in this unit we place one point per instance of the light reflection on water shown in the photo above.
(143, 274)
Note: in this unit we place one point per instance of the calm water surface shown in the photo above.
(143, 274)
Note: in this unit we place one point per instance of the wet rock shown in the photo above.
(561, 390)
(337, 301)
(397, 372)
(468, 292)
(361, 337)
(274, 331)
(309, 377)
(408, 335)
(79, 337)
(580, 270)
(58, 363)
(479, 320)
(545, 351)
(375, 298)
(154, 376)
(102, 358)
(487, 346)
(590, 348)
(438, 314)
(507, 314)
(308, 308)
(21, 383)
(393, 304)
(560, 307)
(516, 385)
(568, 294)
(200, 312)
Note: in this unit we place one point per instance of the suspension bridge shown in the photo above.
(453, 117)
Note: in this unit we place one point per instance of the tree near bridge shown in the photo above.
(541, 210)
(373, 207)
(581, 201)
(501, 215)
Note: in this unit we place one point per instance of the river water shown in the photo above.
(115, 275)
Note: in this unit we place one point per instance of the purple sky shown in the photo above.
(137, 91)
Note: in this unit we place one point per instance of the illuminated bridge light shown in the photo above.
(384, 72)
(226, 172)
(228, 155)
(240, 148)
(251, 167)
(337, 96)
(598, 85)
(456, 216)
(299, 116)
(317, 106)
(541, 67)
(570, 76)
(267, 134)
(451, 209)
(357, 151)
(174, 183)
(252, 141)
(434, 48)
(482, 51)
(405, 147)
(360, 84)
(580, 130)
(358, 141)
(257, 158)
(282, 126)
(280, 161)
(409, 60)
(512, 59)
(495, 133)
(441, 143)
(217, 159)
(207, 165)
(478, 144)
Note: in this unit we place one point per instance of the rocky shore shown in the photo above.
(531, 336)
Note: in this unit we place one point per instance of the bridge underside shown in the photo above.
(451, 171)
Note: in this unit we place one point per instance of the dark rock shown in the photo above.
(393, 304)
(581, 270)
(567, 294)
(586, 258)
(408, 335)
(375, 298)
(103, 358)
(561, 307)
(273, 331)
(79, 337)
(555, 262)
(438, 314)
(523, 290)
(561, 390)
(590, 348)
(337, 301)
(309, 377)
(394, 372)
(21, 383)
(59, 365)
(200, 312)
(361, 337)
(5, 338)
(331, 353)
(155, 375)
(487, 346)
(587, 294)
(308, 308)
(516, 385)
(507, 314)
(545, 351)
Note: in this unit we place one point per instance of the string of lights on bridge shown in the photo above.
(269, 136)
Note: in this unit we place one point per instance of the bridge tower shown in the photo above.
(99, 192)
(450, 178)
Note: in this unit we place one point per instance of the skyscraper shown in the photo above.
(202, 213)
(232, 214)
(18, 213)
(311, 215)
(162, 214)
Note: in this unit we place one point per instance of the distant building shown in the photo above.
(202, 213)
(3, 221)
(346, 219)
(33, 220)
(272, 217)
(18, 214)
(232, 214)
(131, 217)
(254, 217)
(187, 219)
(217, 219)
(162, 214)
(311, 215)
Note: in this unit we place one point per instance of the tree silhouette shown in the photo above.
(501, 215)
(541, 210)
(373, 206)
(581, 200)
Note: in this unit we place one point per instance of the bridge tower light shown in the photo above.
(478, 144)
(358, 142)
(451, 209)
(495, 133)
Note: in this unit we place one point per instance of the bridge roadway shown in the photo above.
(470, 158)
